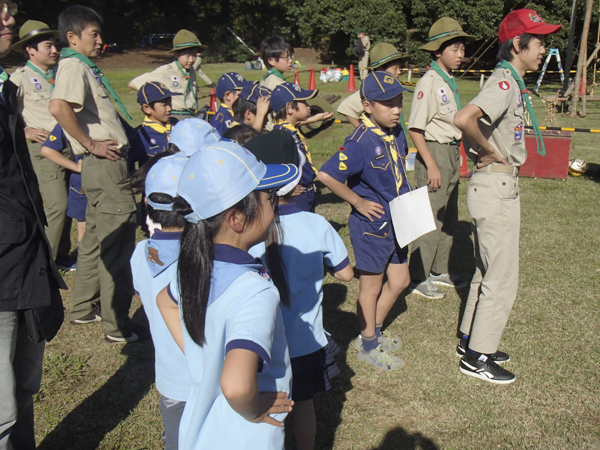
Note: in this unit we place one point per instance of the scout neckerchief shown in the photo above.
(188, 86)
(451, 82)
(157, 126)
(49, 77)
(288, 126)
(390, 145)
(525, 94)
(274, 71)
(70, 53)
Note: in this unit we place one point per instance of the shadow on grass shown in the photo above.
(399, 439)
(86, 426)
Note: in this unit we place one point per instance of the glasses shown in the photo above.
(287, 58)
(8, 10)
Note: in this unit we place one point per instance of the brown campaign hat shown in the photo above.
(445, 30)
(30, 30)
(186, 39)
(383, 53)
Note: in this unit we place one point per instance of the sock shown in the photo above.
(435, 274)
(378, 329)
(465, 337)
(369, 343)
(415, 281)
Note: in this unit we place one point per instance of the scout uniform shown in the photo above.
(231, 81)
(34, 90)
(272, 79)
(200, 72)
(103, 270)
(434, 105)
(494, 206)
(364, 61)
(176, 78)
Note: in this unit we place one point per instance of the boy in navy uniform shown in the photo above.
(368, 172)
(252, 106)
(228, 90)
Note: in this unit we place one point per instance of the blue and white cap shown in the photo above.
(287, 92)
(220, 175)
(164, 177)
(190, 135)
(252, 92)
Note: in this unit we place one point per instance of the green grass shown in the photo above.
(96, 395)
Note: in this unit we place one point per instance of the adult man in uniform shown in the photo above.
(363, 62)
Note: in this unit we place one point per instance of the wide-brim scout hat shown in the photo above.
(287, 92)
(323, 128)
(445, 30)
(380, 86)
(186, 39)
(384, 53)
(32, 29)
(153, 92)
(524, 21)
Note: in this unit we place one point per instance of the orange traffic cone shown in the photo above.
(311, 79)
(465, 173)
(351, 82)
(296, 77)
(213, 100)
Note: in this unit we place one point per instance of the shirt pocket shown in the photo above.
(381, 162)
(445, 109)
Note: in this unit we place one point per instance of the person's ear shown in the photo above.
(249, 117)
(71, 38)
(236, 220)
(367, 107)
(517, 44)
(147, 109)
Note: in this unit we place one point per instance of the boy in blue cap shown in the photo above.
(368, 172)
(228, 90)
(252, 106)
(152, 136)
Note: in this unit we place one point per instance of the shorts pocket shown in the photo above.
(377, 230)
(508, 188)
(46, 177)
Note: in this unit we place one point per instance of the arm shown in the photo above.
(466, 121)
(353, 121)
(316, 118)
(346, 274)
(65, 116)
(170, 312)
(365, 207)
(240, 388)
(60, 159)
(35, 135)
(131, 85)
(262, 109)
(434, 177)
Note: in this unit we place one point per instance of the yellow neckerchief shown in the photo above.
(390, 145)
(157, 126)
(224, 106)
(294, 130)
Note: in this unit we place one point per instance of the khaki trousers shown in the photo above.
(54, 186)
(363, 63)
(431, 251)
(103, 270)
(494, 207)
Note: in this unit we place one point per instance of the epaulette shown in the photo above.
(358, 133)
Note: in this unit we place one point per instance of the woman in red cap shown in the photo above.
(493, 123)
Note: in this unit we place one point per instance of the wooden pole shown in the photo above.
(568, 61)
(479, 57)
(581, 69)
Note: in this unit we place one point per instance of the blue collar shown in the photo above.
(160, 235)
(290, 208)
(227, 253)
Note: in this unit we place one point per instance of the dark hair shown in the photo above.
(33, 42)
(194, 269)
(137, 182)
(386, 66)
(75, 19)
(241, 133)
(167, 219)
(275, 263)
(240, 106)
(282, 113)
(274, 47)
(446, 44)
(504, 51)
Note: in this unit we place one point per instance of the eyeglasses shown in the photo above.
(287, 58)
(8, 10)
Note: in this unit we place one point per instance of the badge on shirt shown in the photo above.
(153, 141)
(420, 95)
(36, 83)
(96, 77)
(52, 138)
(343, 157)
(378, 151)
(153, 256)
(343, 166)
(504, 85)
(175, 80)
(519, 131)
(520, 99)
(442, 93)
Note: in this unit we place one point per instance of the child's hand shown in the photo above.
(78, 167)
(368, 209)
(318, 117)
(262, 107)
(35, 135)
(298, 190)
(434, 178)
(272, 403)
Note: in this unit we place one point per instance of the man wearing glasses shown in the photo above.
(31, 310)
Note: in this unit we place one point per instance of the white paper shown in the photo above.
(412, 216)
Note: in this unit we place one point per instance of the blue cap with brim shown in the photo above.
(230, 81)
(254, 91)
(153, 92)
(380, 86)
(190, 135)
(287, 92)
(163, 177)
(219, 176)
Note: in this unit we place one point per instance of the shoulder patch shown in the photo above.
(52, 138)
(343, 166)
(420, 95)
(343, 157)
(504, 85)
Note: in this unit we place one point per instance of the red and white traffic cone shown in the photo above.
(351, 82)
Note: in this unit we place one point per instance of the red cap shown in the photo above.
(524, 21)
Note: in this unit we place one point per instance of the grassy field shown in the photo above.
(96, 395)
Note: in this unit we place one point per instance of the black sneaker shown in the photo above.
(94, 316)
(498, 357)
(485, 369)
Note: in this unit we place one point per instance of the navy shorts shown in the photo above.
(77, 201)
(312, 372)
(375, 245)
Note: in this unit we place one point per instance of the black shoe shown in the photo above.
(94, 316)
(138, 333)
(498, 357)
(485, 369)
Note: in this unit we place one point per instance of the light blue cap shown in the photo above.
(164, 177)
(190, 135)
(220, 175)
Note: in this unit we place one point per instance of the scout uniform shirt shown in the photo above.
(222, 120)
(272, 79)
(77, 83)
(177, 81)
(308, 169)
(34, 92)
(502, 103)
(352, 106)
(149, 139)
(433, 109)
